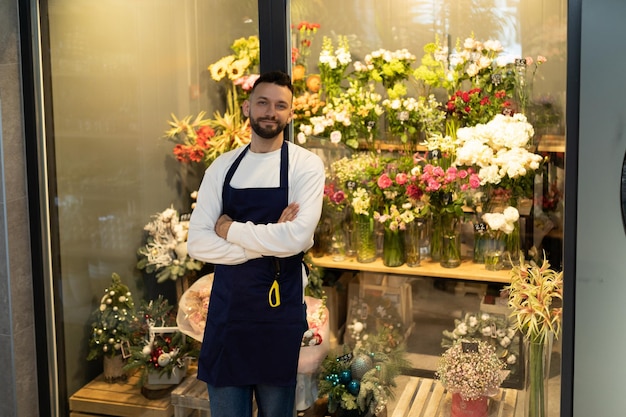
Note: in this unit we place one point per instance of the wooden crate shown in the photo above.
(424, 397)
(120, 399)
(396, 288)
(191, 396)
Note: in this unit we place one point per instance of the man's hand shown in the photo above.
(222, 225)
(289, 213)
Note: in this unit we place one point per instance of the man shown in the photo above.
(255, 216)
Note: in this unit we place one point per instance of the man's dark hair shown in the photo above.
(274, 77)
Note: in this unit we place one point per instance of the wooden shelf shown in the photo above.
(123, 399)
(468, 271)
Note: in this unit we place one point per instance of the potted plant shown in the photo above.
(472, 372)
(111, 328)
(160, 351)
(535, 295)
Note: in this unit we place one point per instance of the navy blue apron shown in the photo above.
(256, 313)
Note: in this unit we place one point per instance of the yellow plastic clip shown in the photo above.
(274, 294)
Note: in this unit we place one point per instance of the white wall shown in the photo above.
(600, 333)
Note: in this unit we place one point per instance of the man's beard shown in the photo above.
(267, 132)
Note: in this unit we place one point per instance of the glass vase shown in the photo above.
(321, 239)
(537, 367)
(512, 247)
(436, 237)
(393, 248)
(493, 252)
(450, 242)
(480, 236)
(349, 228)
(338, 243)
(365, 238)
(413, 237)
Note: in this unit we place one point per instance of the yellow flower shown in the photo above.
(221, 68)
(238, 68)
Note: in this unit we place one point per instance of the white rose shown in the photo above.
(335, 136)
(511, 214)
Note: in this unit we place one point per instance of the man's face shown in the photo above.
(269, 110)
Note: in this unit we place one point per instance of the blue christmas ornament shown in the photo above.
(345, 377)
(353, 387)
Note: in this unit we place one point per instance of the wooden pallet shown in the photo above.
(120, 399)
(424, 397)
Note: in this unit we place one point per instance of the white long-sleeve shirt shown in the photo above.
(247, 241)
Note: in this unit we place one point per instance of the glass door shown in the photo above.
(120, 71)
(124, 74)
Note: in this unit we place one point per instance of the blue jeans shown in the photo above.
(272, 401)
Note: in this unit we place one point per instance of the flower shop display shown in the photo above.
(499, 151)
(359, 381)
(471, 371)
(202, 140)
(333, 63)
(111, 329)
(347, 117)
(390, 68)
(160, 351)
(165, 250)
(303, 35)
(479, 64)
(407, 117)
(335, 206)
(444, 194)
(354, 175)
(479, 132)
(398, 203)
(535, 295)
(306, 106)
(472, 107)
(493, 329)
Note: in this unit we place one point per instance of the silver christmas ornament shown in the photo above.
(360, 365)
